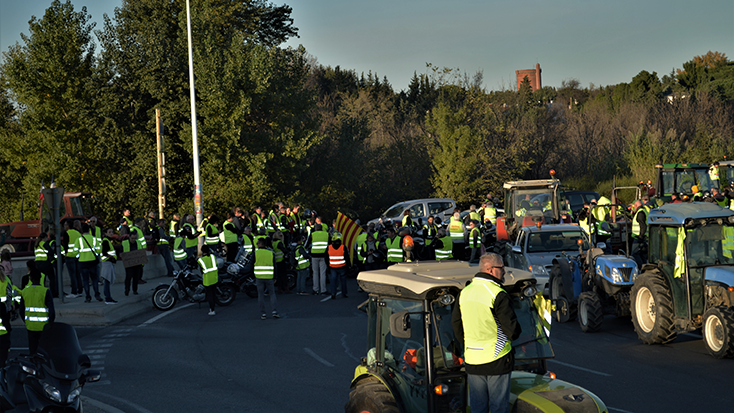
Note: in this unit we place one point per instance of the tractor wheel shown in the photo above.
(590, 311)
(718, 331)
(371, 397)
(652, 309)
(564, 310)
(622, 304)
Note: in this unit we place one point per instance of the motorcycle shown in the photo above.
(53, 378)
(187, 285)
(243, 273)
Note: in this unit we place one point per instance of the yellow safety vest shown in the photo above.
(483, 341)
(36, 312)
(209, 270)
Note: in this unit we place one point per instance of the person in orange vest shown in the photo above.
(337, 264)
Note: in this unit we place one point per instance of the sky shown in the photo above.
(597, 42)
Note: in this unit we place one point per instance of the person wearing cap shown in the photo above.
(338, 258)
(714, 175)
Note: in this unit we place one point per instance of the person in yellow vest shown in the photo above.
(44, 256)
(264, 274)
(393, 247)
(211, 236)
(303, 264)
(5, 327)
(443, 246)
(109, 258)
(474, 240)
(230, 236)
(179, 250)
(132, 274)
(318, 242)
(281, 268)
(88, 248)
(338, 259)
(68, 240)
(485, 323)
(714, 175)
(209, 274)
(369, 251)
(456, 231)
(37, 309)
(191, 235)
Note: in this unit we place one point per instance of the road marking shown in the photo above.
(159, 316)
(580, 368)
(618, 410)
(316, 356)
(347, 350)
(136, 407)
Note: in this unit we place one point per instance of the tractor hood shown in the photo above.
(616, 269)
(532, 392)
(721, 274)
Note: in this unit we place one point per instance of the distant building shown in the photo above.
(533, 76)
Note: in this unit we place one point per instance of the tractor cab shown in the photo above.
(414, 362)
(679, 178)
(528, 203)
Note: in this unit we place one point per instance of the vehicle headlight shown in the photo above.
(74, 394)
(616, 276)
(52, 393)
(539, 270)
(633, 276)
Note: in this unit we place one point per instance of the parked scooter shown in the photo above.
(50, 380)
(187, 285)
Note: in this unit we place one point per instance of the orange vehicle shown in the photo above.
(21, 235)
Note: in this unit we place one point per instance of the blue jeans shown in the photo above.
(71, 266)
(489, 393)
(338, 274)
(301, 280)
(261, 285)
(165, 253)
(88, 272)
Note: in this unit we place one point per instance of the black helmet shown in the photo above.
(307, 213)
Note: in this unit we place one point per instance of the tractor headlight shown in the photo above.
(529, 291)
(633, 276)
(447, 299)
(52, 393)
(616, 276)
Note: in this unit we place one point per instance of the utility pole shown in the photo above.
(161, 163)
(194, 134)
(53, 197)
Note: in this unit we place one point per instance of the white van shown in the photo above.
(420, 208)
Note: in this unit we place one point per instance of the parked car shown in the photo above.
(576, 199)
(535, 248)
(419, 208)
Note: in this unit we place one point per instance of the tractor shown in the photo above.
(688, 282)
(593, 283)
(530, 202)
(679, 178)
(414, 362)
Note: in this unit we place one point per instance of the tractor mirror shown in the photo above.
(517, 249)
(400, 324)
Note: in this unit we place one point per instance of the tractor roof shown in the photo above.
(689, 165)
(538, 183)
(416, 280)
(676, 214)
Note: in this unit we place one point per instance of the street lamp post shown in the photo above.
(194, 138)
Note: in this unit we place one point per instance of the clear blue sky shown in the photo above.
(595, 41)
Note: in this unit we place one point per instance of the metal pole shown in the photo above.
(194, 138)
(159, 151)
(57, 225)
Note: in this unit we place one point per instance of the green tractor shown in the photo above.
(679, 178)
(414, 363)
(688, 283)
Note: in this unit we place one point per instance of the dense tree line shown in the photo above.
(273, 124)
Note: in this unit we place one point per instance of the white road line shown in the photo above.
(136, 407)
(159, 316)
(346, 348)
(316, 356)
(618, 410)
(580, 368)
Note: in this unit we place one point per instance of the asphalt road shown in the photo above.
(185, 360)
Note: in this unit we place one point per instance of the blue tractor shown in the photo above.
(594, 283)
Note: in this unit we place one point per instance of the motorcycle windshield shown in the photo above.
(60, 345)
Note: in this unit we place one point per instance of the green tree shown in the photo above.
(49, 77)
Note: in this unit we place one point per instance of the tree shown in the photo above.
(49, 77)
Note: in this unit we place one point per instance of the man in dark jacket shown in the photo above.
(485, 328)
